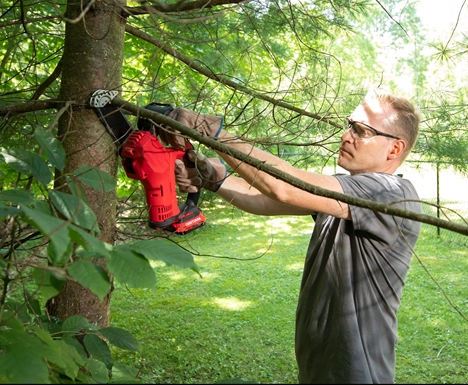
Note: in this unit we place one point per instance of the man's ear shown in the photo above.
(397, 149)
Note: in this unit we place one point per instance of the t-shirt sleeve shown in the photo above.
(382, 188)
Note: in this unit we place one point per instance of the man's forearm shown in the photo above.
(261, 180)
(247, 198)
(277, 190)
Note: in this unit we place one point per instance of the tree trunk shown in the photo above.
(92, 59)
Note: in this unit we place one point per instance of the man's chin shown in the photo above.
(345, 165)
(342, 162)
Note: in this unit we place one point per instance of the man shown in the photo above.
(357, 261)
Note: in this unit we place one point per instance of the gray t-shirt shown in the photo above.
(346, 325)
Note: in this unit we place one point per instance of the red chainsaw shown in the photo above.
(144, 158)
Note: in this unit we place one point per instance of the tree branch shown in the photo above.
(391, 17)
(28, 21)
(222, 79)
(180, 6)
(36, 105)
(53, 77)
(316, 190)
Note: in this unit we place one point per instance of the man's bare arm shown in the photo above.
(280, 191)
(238, 192)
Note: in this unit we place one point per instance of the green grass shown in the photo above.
(433, 336)
(237, 319)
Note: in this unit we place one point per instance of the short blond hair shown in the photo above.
(405, 120)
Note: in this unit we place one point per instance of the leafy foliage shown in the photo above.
(444, 141)
(70, 351)
(47, 238)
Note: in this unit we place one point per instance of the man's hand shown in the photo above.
(208, 125)
(209, 173)
(187, 177)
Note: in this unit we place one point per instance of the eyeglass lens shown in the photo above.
(360, 131)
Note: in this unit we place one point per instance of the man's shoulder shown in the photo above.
(370, 183)
(373, 177)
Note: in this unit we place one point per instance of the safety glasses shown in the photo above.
(363, 131)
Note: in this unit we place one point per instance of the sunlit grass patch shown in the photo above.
(233, 304)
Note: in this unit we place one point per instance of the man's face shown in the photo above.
(367, 154)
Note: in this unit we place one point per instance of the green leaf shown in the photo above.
(97, 370)
(7, 210)
(50, 323)
(70, 358)
(124, 374)
(73, 342)
(130, 268)
(52, 147)
(27, 163)
(95, 178)
(91, 276)
(34, 306)
(43, 207)
(75, 323)
(59, 353)
(76, 189)
(22, 358)
(120, 338)
(56, 256)
(16, 197)
(94, 247)
(163, 250)
(35, 347)
(48, 282)
(53, 228)
(98, 349)
(74, 209)
(18, 309)
(10, 321)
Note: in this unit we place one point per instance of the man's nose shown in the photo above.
(347, 136)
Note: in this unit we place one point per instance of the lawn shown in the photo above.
(236, 319)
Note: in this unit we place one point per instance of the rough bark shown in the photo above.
(93, 58)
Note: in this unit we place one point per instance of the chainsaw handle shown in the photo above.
(192, 198)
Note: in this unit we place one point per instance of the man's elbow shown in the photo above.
(281, 192)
